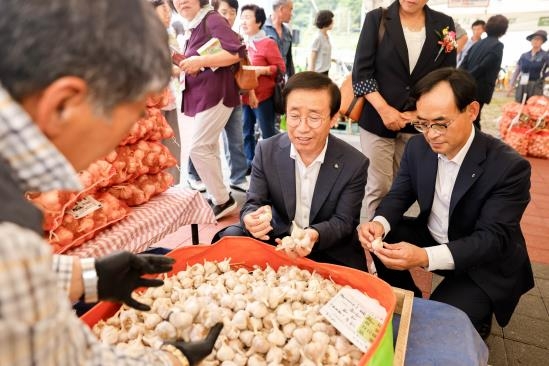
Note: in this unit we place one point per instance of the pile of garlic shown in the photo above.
(270, 317)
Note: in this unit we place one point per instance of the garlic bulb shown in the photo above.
(276, 337)
(240, 319)
(292, 350)
(257, 309)
(225, 353)
(165, 330)
(275, 356)
(260, 344)
(180, 319)
(256, 360)
(377, 243)
(246, 337)
(109, 334)
(151, 320)
(266, 215)
(303, 335)
(288, 329)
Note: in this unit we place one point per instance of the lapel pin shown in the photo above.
(336, 165)
(472, 176)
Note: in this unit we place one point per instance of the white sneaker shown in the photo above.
(242, 187)
(197, 185)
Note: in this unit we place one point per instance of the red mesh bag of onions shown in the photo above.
(518, 138)
(88, 216)
(539, 144)
(143, 188)
(152, 127)
(54, 203)
(135, 160)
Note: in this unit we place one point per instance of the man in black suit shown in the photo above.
(472, 190)
(308, 176)
(483, 60)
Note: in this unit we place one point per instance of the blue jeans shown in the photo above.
(234, 153)
(265, 115)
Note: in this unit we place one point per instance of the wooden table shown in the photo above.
(150, 222)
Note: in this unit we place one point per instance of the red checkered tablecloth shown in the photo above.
(149, 223)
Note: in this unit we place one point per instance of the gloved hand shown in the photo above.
(119, 274)
(197, 351)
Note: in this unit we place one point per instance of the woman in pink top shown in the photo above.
(266, 59)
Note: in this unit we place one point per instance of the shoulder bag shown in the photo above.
(351, 105)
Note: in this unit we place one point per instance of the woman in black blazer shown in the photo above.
(483, 61)
(397, 47)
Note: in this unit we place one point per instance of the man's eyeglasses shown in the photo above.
(313, 121)
(439, 127)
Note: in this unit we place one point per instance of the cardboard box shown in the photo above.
(404, 300)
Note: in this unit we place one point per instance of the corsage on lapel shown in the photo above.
(447, 41)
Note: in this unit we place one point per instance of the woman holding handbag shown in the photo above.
(267, 61)
(397, 47)
(208, 97)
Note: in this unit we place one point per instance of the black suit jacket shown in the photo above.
(490, 195)
(388, 63)
(483, 61)
(337, 198)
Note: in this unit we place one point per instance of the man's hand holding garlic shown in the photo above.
(300, 242)
(399, 256)
(370, 235)
(258, 223)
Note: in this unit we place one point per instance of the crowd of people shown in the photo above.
(420, 137)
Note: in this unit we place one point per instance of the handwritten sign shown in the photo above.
(356, 316)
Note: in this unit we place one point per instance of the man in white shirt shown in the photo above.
(472, 190)
(308, 177)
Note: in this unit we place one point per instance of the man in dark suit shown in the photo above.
(472, 190)
(308, 177)
(483, 60)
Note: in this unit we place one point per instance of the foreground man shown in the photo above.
(70, 89)
(472, 190)
(308, 177)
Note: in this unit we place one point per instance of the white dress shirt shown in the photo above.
(440, 256)
(305, 182)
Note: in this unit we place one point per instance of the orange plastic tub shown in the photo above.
(247, 252)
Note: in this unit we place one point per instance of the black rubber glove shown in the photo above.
(119, 274)
(197, 351)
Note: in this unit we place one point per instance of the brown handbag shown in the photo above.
(245, 79)
(351, 106)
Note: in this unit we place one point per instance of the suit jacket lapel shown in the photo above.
(285, 167)
(470, 170)
(329, 171)
(393, 27)
(427, 178)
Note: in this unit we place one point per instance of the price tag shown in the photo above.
(356, 316)
(84, 207)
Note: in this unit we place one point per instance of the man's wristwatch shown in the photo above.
(89, 279)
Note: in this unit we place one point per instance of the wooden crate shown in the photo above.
(403, 307)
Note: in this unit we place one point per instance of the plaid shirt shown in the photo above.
(37, 323)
